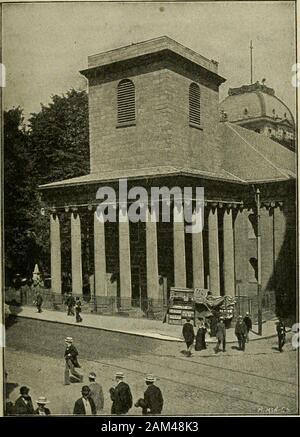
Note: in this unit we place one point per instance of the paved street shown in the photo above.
(260, 380)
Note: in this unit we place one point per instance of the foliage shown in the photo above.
(53, 146)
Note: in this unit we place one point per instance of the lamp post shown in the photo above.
(258, 240)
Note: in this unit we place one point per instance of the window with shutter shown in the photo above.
(194, 105)
(126, 102)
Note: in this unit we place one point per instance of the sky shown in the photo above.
(44, 45)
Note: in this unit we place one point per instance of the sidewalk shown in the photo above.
(126, 325)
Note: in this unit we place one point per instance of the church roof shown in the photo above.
(246, 157)
(254, 157)
(255, 101)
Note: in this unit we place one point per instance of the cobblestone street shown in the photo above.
(258, 381)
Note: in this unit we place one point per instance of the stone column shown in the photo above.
(124, 258)
(197, 248)
(229, 283)
(76, 253)
(279, 250)
(179, 247)
(99, 255)
(213, 247)
(153, 289)
(55, 254)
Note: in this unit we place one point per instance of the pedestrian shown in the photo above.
(120, 395)
(71, 355)
(153, 400)
(248, 323)
(200, 336)
(39, 301)
(96, 392)
(188, 335)
(42, 410)
(23, 405)
(78, 310)
(70, 301)
(241, 332)
(220, 335)
(281, 332)
(85, 406)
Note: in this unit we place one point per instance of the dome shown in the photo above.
(255, 101)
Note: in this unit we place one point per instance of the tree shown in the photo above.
(20, 197)
(54, 146)
(59, 138)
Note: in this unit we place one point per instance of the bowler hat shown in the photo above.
(85, 388)
(140, 403)
(24, 390)
(92, 375)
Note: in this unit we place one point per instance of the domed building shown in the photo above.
(256, 107)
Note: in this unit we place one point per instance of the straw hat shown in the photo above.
(69, 340)
(119, 375)
(42, 400)
(150, 378)
(92, 375)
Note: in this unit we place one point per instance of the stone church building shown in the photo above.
(154, 119)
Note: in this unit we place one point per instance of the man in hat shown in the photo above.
(70, 301)
(121, 396)
(96, 392)
(153, 399)
(85, 406)
(42, 410)
(71, 354)
(188, 335)
(241, 332)
(281, 333)
(248, 323)
(220, 335)
(23, 405)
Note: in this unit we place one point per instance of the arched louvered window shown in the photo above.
(194, 104)
(126, 102)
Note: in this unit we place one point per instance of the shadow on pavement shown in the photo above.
(12, 318)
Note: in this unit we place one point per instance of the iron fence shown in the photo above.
(137, 308)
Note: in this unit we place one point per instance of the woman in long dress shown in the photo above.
(200, 337)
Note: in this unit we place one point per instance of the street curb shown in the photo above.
(137, 334)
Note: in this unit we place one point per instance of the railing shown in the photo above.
(137, 308)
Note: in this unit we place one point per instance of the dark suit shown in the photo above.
(122, 398)
(241, 333)
(23, 407)
(188, 334)
(46, 410)
(281, 332)
(79, 407)
(71, 354)
(153, 400)
(70, 304)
